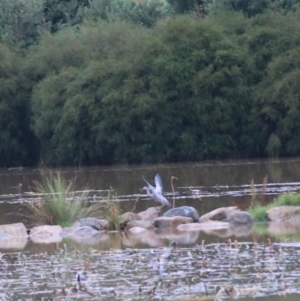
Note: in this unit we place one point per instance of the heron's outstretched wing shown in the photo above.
(156, 195)
(158, 184)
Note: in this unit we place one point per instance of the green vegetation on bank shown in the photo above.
(121, 81)
(258, 211)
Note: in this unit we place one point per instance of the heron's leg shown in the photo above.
(160, 207)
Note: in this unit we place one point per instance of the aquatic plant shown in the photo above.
(59, 203)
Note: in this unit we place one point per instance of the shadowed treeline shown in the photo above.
(103, 82)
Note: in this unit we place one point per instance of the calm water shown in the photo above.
(205, 186)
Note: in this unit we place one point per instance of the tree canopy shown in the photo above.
(104, 82)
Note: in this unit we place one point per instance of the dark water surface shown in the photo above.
(260, 262)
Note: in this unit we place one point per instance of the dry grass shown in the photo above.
(111, 211)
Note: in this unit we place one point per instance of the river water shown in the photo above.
(205, 186)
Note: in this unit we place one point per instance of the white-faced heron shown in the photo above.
(156, 193)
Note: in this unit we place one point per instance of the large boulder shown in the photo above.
(239, 218)
(85, 232)
(13, 236)
(126, 218)
(171, 222)
(219, 214)
(13, 230)
(46, 234)
(150, 214)
(290, 214)
(185, 211)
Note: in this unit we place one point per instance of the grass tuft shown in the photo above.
(58, 203)
(111, 211)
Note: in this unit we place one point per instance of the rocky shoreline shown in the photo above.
(179, 225)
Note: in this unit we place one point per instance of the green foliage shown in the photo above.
(251, 8)
(62, 12)
(59, 204)
(146, 12)
(278, 92)
(247, 7)
(288, 199)
(21, 21)
(131, 82)
(185, 65)
(183, 6)
(17, 143)
(258, 212)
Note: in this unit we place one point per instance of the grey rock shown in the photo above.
(96, 223)
(239, 218)
(185, 211)
(150, 214)
(289, 214)
(85, 231)
(13, 230)
(128, 217)
(219, 214)
(13, 236)
(171, 222)
(46, 234)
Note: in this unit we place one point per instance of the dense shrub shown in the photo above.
(136, 81)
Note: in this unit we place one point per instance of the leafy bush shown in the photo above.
(18, 145)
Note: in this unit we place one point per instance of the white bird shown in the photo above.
(156, 193)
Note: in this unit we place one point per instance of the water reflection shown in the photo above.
(261, 233)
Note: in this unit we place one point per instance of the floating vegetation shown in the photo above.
(213, 271)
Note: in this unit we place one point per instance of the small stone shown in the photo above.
(185, 211)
